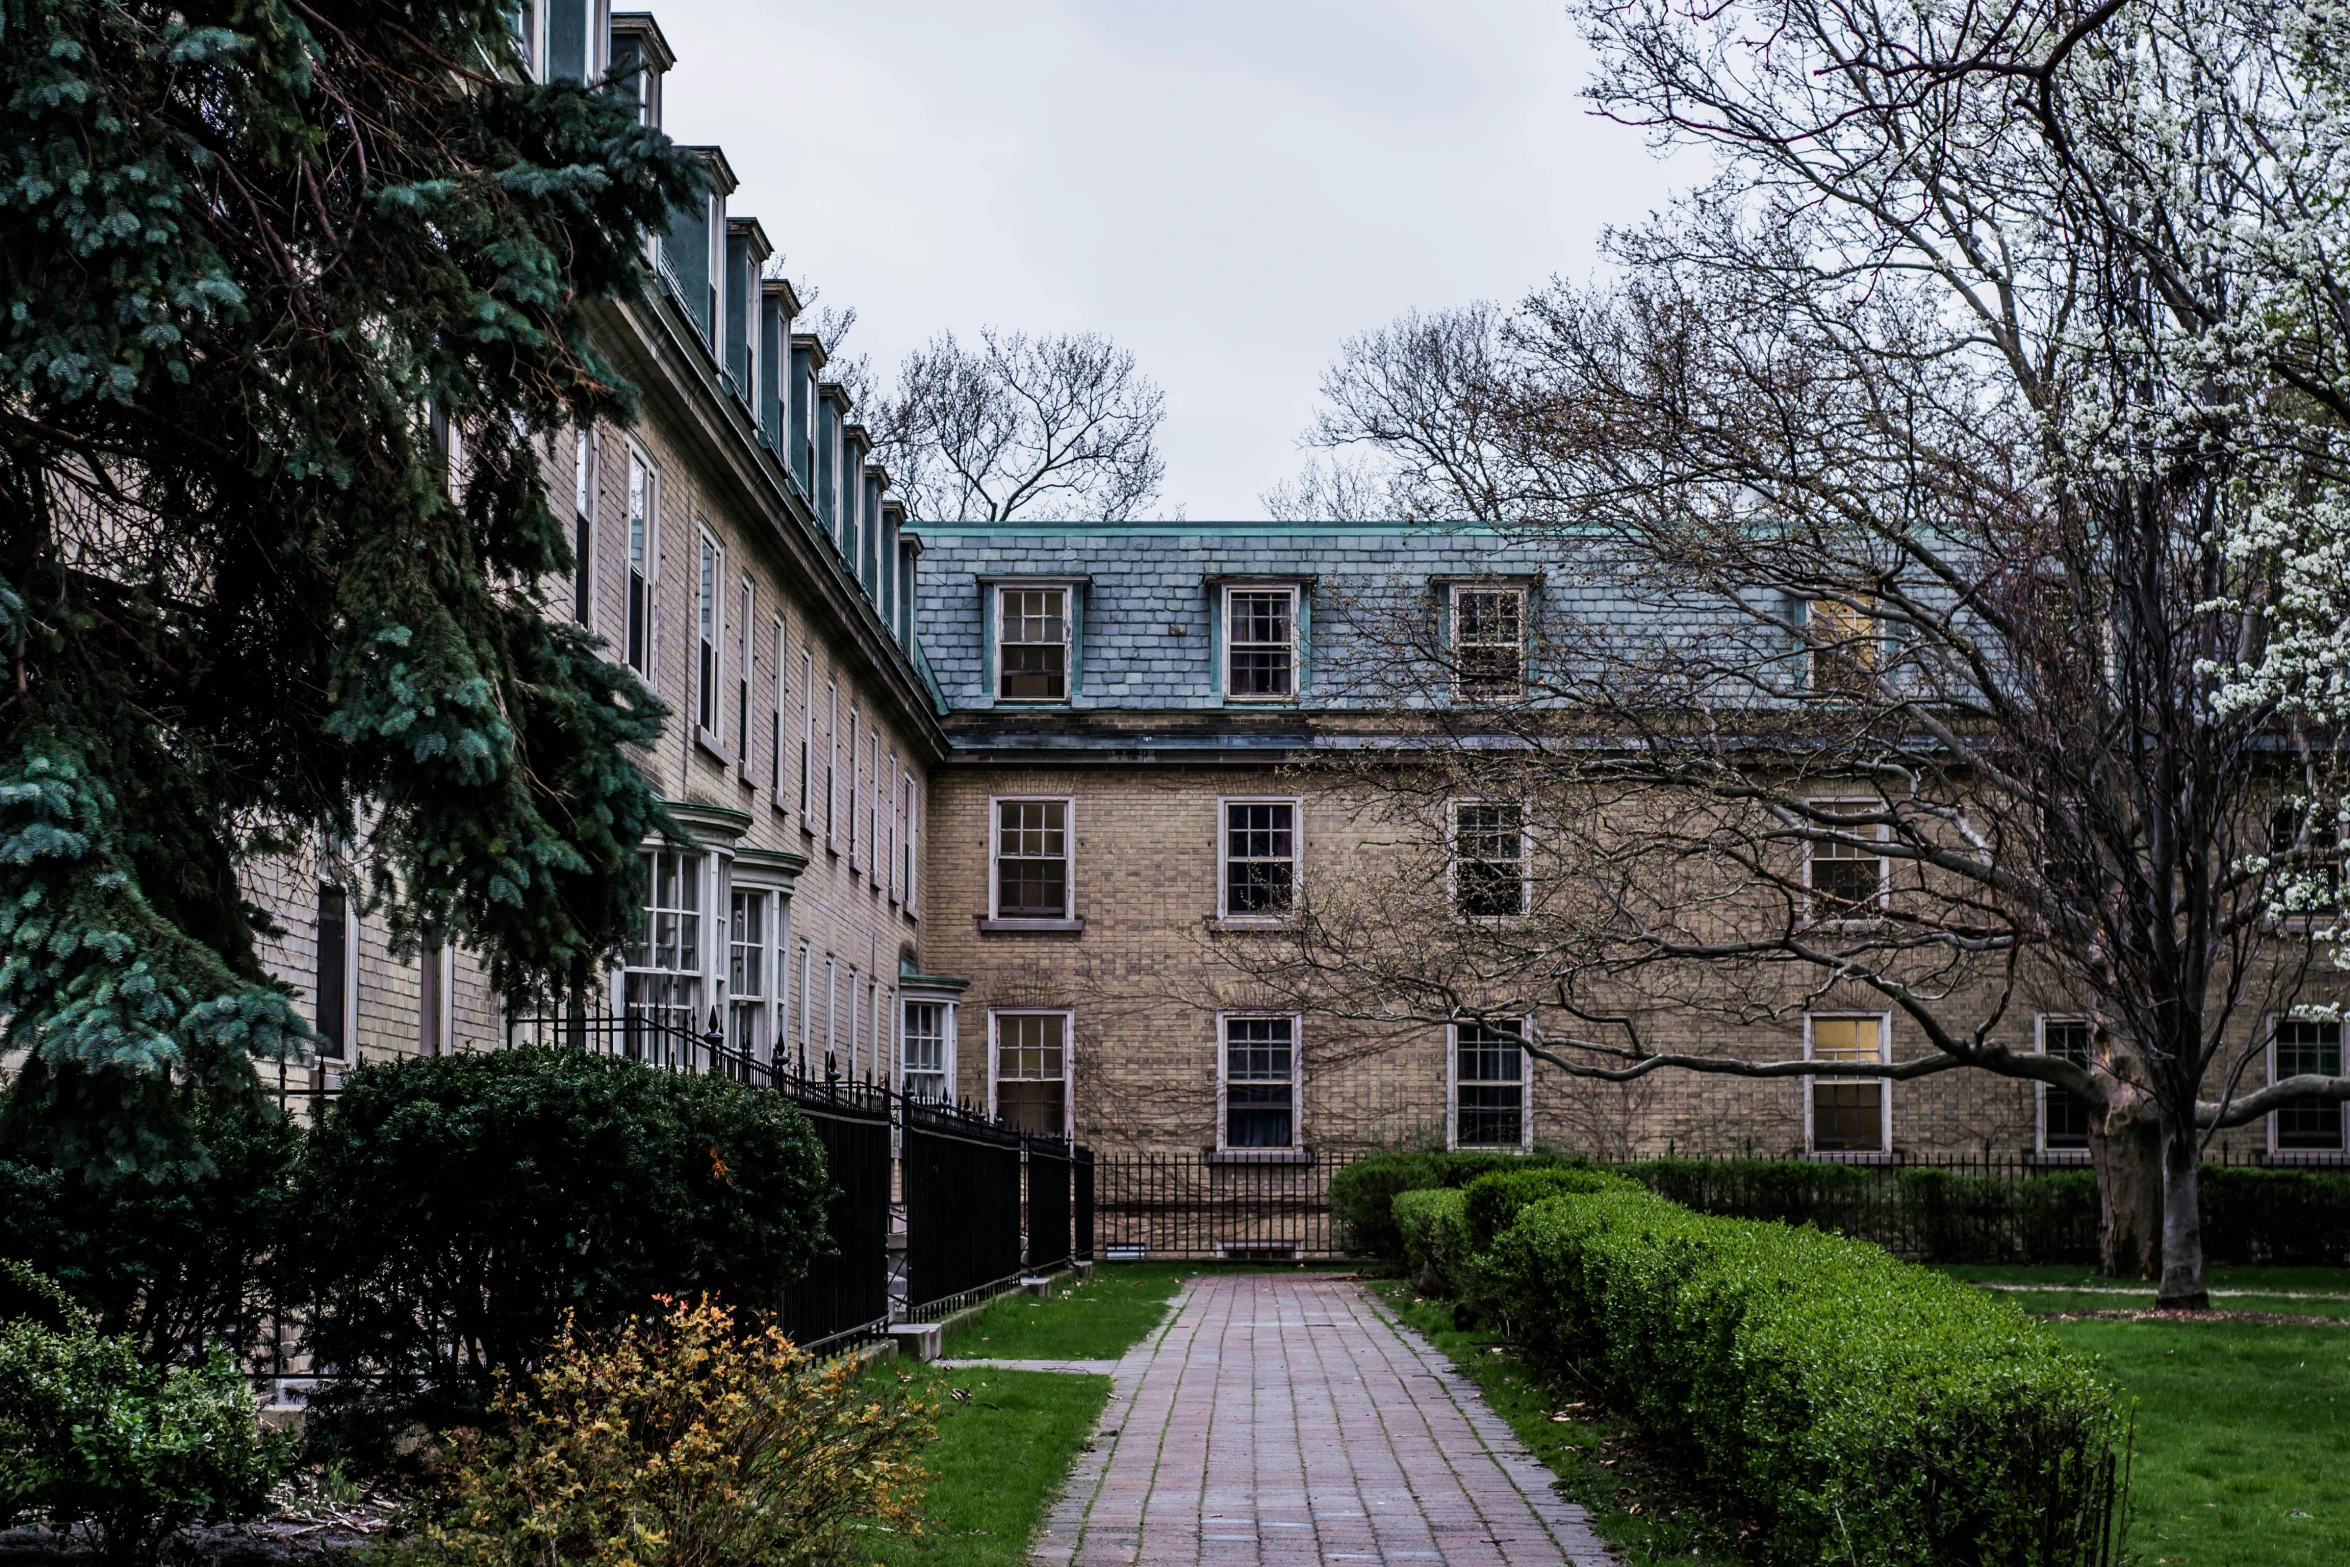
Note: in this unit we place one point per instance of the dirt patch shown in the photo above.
(2149, 1314)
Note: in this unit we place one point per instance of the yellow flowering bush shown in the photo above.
(686, 1442)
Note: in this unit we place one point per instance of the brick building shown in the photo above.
(996, 834)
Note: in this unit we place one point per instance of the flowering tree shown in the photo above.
(1951, 490)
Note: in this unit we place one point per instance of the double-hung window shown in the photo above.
(927, 1065)
(853, 783)
(333, 993)
(1260, 644)
(662, 984)
(807, 728)
(746, 976)
(1489, 1085)
(775, 741)
(1032, 1071)
(1259, 847)
(832, 763)
(2064, 1117)
(1847, 1115)
(1488, 641)
(2298, 1048)
(1846, 878)
(1031, 879)
(643, 492)
(583, 537)
(1489, 859)
(1260, 1082)
(706, 617)
(1032, 644)
(742, 677)
(1844, 647)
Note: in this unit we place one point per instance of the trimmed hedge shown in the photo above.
(2270, 1216)
(1852, 1406)
(1433, 1231)
(1362, 1193)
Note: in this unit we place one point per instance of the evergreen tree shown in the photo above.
(256, 254)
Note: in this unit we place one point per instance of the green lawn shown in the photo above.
(2242, 1432)
(1100, 1319)
(997, 1463)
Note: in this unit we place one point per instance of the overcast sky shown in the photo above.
(1229, 189)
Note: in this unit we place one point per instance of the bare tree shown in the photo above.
(1047, 427)
(1923, 488)
(1412, 425)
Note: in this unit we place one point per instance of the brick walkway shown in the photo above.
(1279, 1420)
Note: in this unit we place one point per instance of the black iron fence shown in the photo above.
(963, 1219)
(1200, 1206)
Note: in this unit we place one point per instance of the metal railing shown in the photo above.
(1200, 1207)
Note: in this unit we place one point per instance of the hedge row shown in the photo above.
(1851, 1406)
(2250, 1215)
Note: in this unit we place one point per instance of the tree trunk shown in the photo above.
(2125, 1149)
(2182, 1227)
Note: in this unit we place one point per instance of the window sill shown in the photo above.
(1850, 1155)
(708, 744)
(1259, 701)
(2062, 1156)
(1250, 927)
(1032, 701)
(988, 927)
(1261, 1156)
(1509, 1148)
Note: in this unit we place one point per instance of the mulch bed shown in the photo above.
(294, 1534)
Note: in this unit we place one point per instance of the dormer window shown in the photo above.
(1032, 644)
(1260, 643)
(1488, 641)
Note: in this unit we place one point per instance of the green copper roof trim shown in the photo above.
(1177, 530)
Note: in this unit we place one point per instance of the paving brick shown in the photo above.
(1282, 1419)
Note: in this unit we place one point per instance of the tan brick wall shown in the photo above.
(1144, 986)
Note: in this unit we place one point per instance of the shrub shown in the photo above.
(178, 1255)
(1491, 1203)
(1362, 1194)
(2277, 1217)
(92, 1435)
(1433, 1225)
(677, 1445)
(458, 1209)
(1854, 1407)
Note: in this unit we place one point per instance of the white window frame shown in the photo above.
(436, 1000)
(644, 555)
(1457, 646)
(782, 719)
(807, 734)
(832, 765)
(1884, 1150)
(349, 1054)
(709, 639)
(770, 979)
(855, 845)
(530, 25)
(995, 842)
(1068, 1017)
(2040, 1091)
(746, 612)
(807, 1004)
(1297, 817)
(585, 451)
(949, 1067)
(885, 779)
(912, 850)
(1225, 1018)
(1452, 858)
(1296, 642)
(1068, 643)
(2276, 1150)
(1452, 1092)
(1811, 856)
